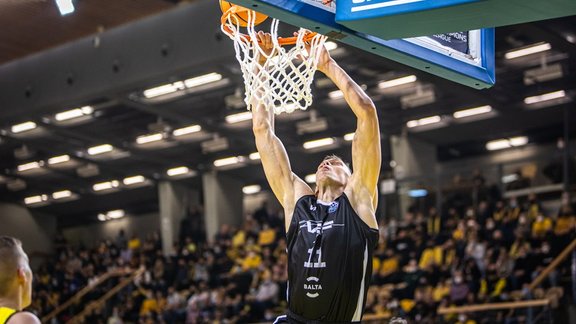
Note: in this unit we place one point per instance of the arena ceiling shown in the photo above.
(107, 53)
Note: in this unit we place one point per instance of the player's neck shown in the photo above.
(10, 303)
(329, 194)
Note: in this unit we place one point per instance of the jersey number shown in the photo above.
(318, 264)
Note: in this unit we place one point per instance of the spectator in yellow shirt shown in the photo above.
(266, 236)
(566, 222)
(541, 226)
(252, 261)
(134, 243)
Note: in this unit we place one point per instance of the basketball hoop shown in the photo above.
(284, 79)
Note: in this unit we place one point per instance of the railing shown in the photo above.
(563, 255)
(493, 306)
(78, 296)
(79, 318)
(523, 311)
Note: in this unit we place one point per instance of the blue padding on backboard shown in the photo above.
(392, 19)
(362, 9)
(304, 15)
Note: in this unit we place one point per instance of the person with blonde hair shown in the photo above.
(15, 283)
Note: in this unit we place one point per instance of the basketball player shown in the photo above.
(332, 231)
(15, 283)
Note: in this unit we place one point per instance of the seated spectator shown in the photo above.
(458, 289)
(541, 226)
(267, 235)
(566, 221)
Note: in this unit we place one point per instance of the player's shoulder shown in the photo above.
(23, 318)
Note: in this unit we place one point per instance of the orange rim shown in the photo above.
(281, 40)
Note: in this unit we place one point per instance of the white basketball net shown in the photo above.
(284, 79)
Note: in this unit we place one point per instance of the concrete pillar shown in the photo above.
(173, 200)
(414, 158)
(222, 201)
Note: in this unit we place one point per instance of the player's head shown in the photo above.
(15, 273)
(332, 171)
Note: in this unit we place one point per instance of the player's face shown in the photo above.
(333, 170)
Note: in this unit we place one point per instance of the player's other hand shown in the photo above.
(266, 46)
(324, 57)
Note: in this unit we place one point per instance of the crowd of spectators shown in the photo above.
(429, 258)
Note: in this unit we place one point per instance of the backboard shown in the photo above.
(464, 57)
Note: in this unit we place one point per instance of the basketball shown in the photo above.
(242, 15)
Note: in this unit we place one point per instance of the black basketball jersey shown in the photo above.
(330, 261)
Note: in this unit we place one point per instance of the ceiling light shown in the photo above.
(397, 82)
(23, 127)
(29, 166)
(144, 139)
(229, 161)
(544, 97)
(203, 79)
(62, 194)
(318, 143)
(177, 171)
(518, 141)
(472, 112)
(506, 143)
(164, 89)
(497, 145)
(348, 137)
(104, 148)
(65, 6)
(311, 178)
(186, 130)
(58, 159)
(252, 189)
(336, 94)
(510, 178)
(330, 45)
(254, 156)
(74, 113)
(181, 85)
(105, 185)
(536, 48)
(188, 86)
(424, 121)
(115, 214)
(291, 106)
(239, 117)
(133, 180)
(35, 199)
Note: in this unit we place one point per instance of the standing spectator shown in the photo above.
(121, 241)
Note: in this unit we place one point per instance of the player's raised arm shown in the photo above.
(287, 187)
(366, 155)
